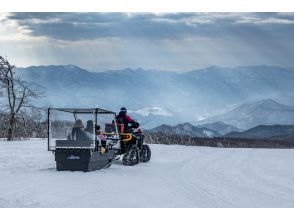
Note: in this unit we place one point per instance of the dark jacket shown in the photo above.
(78, 134)
(127, 121)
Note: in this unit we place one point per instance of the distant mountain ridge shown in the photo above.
(263, 112)
(273, 132)
(282, 132)
(188, 96)
(185, 129)
(220, 127)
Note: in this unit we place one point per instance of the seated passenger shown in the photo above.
(77, 132)
(89, 130)
(101, 139)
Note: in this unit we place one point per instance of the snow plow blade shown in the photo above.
(82, 160)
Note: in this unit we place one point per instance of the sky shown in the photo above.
(164, 41)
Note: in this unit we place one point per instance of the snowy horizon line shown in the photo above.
(178, 70)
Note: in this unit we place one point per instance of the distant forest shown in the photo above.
(222, 142)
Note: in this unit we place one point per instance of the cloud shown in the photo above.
(85, 26)
(181, 41)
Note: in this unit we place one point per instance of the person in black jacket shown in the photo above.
(89, 130)
(77, 132)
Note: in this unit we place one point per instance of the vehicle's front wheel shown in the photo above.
(131, 157)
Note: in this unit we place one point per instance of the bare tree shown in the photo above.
(17, 93)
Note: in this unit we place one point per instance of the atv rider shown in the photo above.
(127, 121)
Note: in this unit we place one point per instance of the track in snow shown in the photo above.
(176, 176)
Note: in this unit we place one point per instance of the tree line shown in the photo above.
(222, 142)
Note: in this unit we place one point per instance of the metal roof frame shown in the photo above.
(84, 110)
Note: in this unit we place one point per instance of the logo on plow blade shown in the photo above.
(72, 157)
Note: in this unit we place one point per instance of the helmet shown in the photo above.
(123, 109)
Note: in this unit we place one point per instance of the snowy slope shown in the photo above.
(177, 176)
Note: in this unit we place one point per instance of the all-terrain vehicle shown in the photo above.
(90, 139)
(132, 147)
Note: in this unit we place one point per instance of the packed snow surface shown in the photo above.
(176, 176)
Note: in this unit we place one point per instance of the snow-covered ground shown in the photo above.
(176, 176)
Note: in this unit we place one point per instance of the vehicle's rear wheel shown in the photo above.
(131, 157)
(145, 154)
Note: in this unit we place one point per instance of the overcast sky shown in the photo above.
(170, 41)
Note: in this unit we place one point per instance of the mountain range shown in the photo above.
(282, 132)
(274, 132)
(220, 127)
(185, 129)
(263, 112)
(163, 97)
